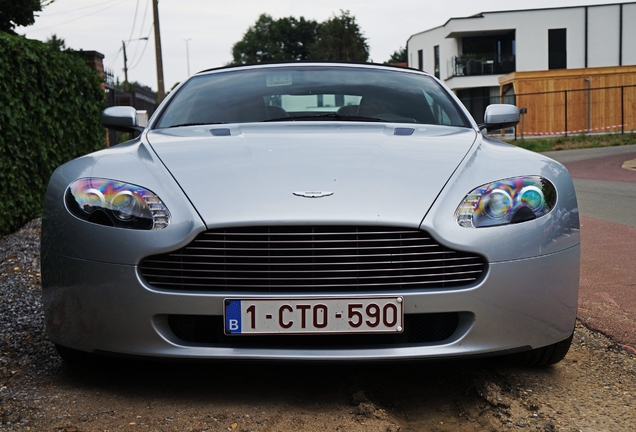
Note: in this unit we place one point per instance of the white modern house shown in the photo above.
(471, 54)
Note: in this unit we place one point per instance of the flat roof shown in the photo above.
(481, 14)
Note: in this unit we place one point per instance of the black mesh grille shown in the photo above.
(311, 259)
(418, 329)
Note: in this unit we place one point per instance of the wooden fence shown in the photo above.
(605, 109)
(572, 101)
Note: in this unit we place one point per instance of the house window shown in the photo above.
(436, 54)
(420, 59)
(488, 54)
(557, 55)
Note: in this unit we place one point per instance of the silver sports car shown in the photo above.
(311, 211)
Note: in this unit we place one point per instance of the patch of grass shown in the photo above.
(575, 142)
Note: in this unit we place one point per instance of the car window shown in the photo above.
(441, 116)
(311, 93)
(293, 103)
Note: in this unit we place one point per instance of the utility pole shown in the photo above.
(161, 93)
(123, 46)
(188, 55)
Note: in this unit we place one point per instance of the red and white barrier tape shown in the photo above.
(597, 129)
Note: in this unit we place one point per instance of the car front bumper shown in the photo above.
(101, 307)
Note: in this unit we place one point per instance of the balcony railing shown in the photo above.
(469, 66)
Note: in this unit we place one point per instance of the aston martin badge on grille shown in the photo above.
(313, 194)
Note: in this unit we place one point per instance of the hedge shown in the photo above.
(50, 113)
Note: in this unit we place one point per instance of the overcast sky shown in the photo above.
(213, 26)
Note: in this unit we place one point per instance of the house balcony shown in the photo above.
(466, 65)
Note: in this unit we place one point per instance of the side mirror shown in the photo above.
(123, 118)
(500, 116)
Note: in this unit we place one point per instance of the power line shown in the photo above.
(143, 50)
(78, 18)
(79, 8)
(143, 22)
(134, 21)
(112, 62)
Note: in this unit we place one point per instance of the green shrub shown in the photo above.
(50, 113)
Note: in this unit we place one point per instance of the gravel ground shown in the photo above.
(593, 389)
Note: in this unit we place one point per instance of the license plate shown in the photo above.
(314, 316)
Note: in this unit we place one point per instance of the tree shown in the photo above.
(399, 56)
(56, 43)
(19, 13)
(340, 39)
(275, 40)
(174, 86)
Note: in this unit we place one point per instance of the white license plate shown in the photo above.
(314, 316)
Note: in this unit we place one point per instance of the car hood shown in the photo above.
(300, 173)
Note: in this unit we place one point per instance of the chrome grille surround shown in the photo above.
(312, 259)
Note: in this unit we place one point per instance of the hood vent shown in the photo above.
(220, 132)
(403, 131)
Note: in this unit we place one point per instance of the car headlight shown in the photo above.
(117, 204)
(508, 201)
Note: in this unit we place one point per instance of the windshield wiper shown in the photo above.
(325, 116)
(195, 124)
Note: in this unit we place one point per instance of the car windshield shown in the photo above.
(321, 93)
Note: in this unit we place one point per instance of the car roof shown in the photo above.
(317, 63)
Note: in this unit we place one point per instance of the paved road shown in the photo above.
(606, 194)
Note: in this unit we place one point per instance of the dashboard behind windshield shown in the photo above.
(311, 93)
